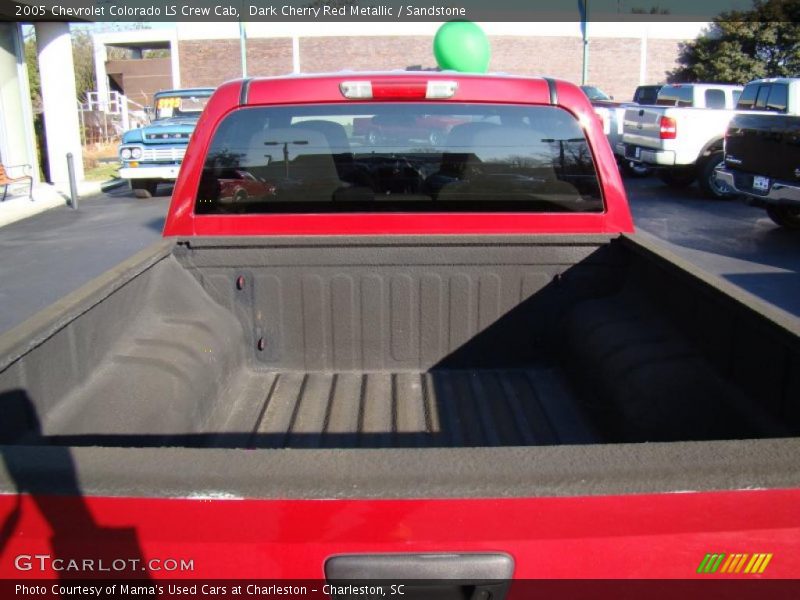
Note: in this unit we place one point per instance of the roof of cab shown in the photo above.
(324, 87)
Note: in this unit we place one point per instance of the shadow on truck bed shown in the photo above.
(413, 343)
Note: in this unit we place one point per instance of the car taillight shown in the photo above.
(400, 90)
(668, 128)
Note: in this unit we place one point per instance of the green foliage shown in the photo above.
(34, 82)
(740, 46)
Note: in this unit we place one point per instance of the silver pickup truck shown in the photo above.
(682, 134)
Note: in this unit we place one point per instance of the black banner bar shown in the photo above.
(369, 10)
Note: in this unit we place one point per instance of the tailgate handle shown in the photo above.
(462, 576)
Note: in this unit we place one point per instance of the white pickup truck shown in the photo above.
(682, 135)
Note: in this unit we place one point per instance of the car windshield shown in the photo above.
(169, 107)
(399, 157)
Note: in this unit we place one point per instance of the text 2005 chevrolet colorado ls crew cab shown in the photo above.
(420, 348)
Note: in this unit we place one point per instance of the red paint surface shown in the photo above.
(647, 536)
(181, 220)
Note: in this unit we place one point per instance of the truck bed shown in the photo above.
(327, 343)
(469, 408)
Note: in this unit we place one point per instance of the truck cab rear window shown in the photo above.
(399, 158)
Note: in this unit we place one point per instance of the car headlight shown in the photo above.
(125, 154)
(136, 153)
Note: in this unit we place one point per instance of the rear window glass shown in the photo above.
(761, 99)
(778, 98)
(715, 99)
(674, 96)
(399, 158)
(646, 95)
(748, 97)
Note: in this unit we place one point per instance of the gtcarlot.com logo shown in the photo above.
(45, 562)
(748, 564)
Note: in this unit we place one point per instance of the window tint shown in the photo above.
(646, 95)
(674, 96)
(399, 157)
(748, 97)
(761, 99)
(778, 97)
(715, 99)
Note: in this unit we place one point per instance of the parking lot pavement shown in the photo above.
(726, 238)
(53, 253)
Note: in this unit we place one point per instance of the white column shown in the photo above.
(101, 76)
(175, 60)
(59, 99)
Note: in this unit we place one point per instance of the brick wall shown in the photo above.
(614, 63)
(324, 54)
(662, 56)
(208, 62)
(268, 57)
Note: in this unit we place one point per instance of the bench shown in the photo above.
(6, 180)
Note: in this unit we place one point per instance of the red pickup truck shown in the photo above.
(450, 361)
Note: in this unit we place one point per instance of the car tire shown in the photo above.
(677, 178)
(240, 196)
(708, 183)
(144, 188)
(373, 139)
(635, 170)
(787, 217)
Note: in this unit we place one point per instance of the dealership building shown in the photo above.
(621, 55)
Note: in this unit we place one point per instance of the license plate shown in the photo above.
(761, 183)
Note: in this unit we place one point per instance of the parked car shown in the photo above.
(370, 380)
(612, 118)
(595, 94)
(681, 136)
(762, 155)
(154, 153)
(612, 114)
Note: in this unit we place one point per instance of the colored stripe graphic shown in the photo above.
(710, 563)
(751, 563)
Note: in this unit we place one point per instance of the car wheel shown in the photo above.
(372, 138)
(240, 196)
(144, 188)
(632, 169)
(677, 178)
(787, 217)
(708, 182)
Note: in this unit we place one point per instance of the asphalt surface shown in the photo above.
(54, 253)
(51, 254)
(726, 238)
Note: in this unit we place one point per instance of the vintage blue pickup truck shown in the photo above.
(154, 153)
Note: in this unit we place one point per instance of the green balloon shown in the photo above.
(461, 46)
